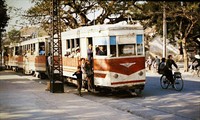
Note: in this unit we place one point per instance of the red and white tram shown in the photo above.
(123, 65)
(29, 55)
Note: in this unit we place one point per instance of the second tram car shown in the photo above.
(29, 56)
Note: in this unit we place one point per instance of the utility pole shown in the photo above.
(1, 59)
(56, 74)
(164, 31)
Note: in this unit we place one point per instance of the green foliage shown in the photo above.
(182, 19)
(76, 13)
(4, 17)
(14, 35)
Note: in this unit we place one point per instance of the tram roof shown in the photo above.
(95, 28)
(35, 40)
(109, 27)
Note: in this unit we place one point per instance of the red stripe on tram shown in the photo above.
(125, 82)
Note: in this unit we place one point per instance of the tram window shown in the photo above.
(73, 45)
(33, 49)
(90, 41)
(20, 50)
(139, 44)
(127, 49)
(68, 44)
(42, 48)
(77, 48)
(101, 50)
(77, 42)
(11, 51)
(139, 49)
(113, 46)
(16, 50)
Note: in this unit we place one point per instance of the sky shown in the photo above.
(24, 5)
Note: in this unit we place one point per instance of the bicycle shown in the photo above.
(197, 71)
(178, 81)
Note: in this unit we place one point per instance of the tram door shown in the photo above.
(90, 45)
(90, 55)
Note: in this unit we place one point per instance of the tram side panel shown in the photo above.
(13, 62)
(40, 63)
(69, 67)
(20, 62)
(123, 73)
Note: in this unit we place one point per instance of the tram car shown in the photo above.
(12, 58)
(29, 56)
(122, 66)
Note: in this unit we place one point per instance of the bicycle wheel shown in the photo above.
(178, 84)
(164, 82)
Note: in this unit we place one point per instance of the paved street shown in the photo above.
(158, 103)
(24, 97)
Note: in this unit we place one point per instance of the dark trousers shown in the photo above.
(169, 75)
(90, 82)
(195, 67)
(79, 85)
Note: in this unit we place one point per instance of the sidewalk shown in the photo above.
(26, 99)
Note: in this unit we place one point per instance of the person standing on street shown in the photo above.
(49, 64)
(89, 73)
(149, 63)
(78, 74)
(197, 59)
(49, 71)
(156, 63)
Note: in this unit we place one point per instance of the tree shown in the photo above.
(76, 13)
(182, 22)
(4, 17)
(14, 35)
(3, 22)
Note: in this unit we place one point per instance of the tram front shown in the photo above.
(119, 60)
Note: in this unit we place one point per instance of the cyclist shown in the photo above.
(168, 68)
(197, 58)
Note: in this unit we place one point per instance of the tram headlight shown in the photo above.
(115, 75)
(140, 73)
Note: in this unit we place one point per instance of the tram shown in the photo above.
(29, 56)
(123, 64)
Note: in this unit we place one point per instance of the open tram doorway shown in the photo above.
(90, 51)
(90, 72)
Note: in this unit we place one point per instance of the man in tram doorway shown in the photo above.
(89, 68)
(90, 54)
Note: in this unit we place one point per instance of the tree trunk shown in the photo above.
(185, 56)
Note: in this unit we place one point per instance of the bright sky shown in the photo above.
(24, 4)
